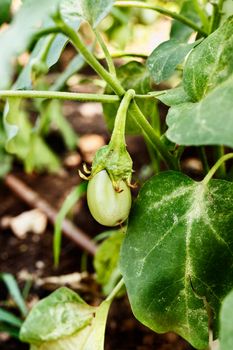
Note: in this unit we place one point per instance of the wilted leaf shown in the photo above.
(24, 142)
(15, 39)
(106, 261)
(177, 256)
(63, 321)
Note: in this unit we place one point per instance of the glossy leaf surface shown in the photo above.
(177, 256)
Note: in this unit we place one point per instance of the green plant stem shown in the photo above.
(204, 159)
(124, 54)
(147, 129)
(119, 90)
(118, 134)
(43, 32)
(216, 16)
(216, 166)
(90, 58)
(108, 57)
(46, 47)
(163, 11)
(202, 14)
(218, 153)
(116, 290)
(83, 97)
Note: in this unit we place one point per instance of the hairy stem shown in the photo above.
(152, 136)
(90, 58)
(118, 135)
(85, 97)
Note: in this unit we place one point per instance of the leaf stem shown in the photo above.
(213, 170)
(83, 97)
(120, 54)
(116, 290)
(120, 91)
(152, 136)
(204, 159)
(163, 11)
(90, 58)
(216, 16)
(118, 134)
(108, 56)
(218, 153)
(202, 14)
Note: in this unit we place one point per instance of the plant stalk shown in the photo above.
(90, 58)
(107, 55)
(85, 97)
(216, 166)
(118, 134)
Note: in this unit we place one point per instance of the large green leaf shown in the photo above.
(226, 323)
(177, 257)
(210, 63)
(132, 75)
(88, 10)
(180, 31)
(164, 59)
(15, 39)
(207, 122)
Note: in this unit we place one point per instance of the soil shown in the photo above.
(33, 255)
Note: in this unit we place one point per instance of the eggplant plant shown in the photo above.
(176, 257)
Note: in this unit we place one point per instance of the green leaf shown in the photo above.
(5, 11)
(59, 315)
(9, 318)
(180, 31)
(210, 63)
(63, 321)
(15, 40)
(23, 141)
(106, 261)
(87, 10)
(14, 291)
(207, 122)
(226, 323)
(163, 60)
(177, 257)
(174, 96)
(68, 204)
(132, 75)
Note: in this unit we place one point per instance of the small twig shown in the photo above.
(34, 200)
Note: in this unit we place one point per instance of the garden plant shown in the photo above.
(175, 255)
